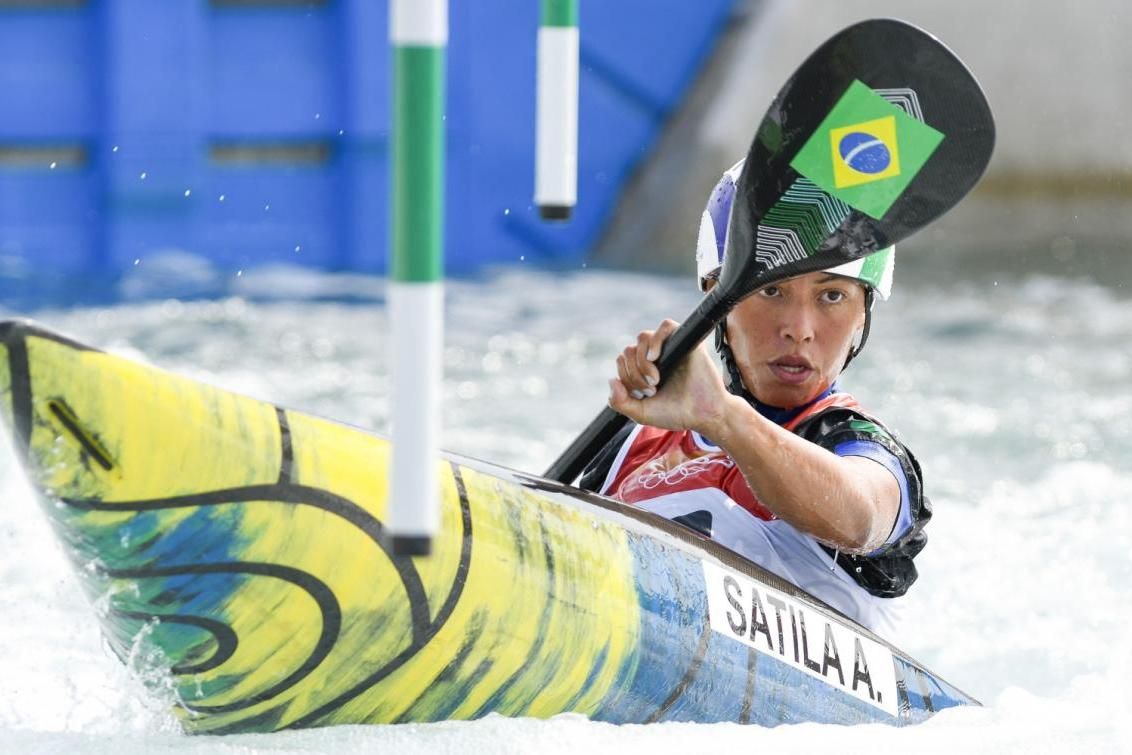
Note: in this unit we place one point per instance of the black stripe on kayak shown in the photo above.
(442, 616)
(903, 702)
(456, 689)
(286, 454)
(689, 676)
(461, 577)
(925, 691)
(20, 387)
(749, 692)
(313, 586)
(225, 636)
(289, 494)
(67, 417)
(14, 335)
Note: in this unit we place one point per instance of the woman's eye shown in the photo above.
(833, 296)
(768, 291)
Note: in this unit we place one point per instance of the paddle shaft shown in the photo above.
(601, 430)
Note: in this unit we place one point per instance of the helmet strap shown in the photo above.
(855, 349)
(734, 379)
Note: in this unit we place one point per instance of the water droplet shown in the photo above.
(266, 207)
(137, 261)
(114, 148)
(298, 247)
(221, 197)
(239, 273)
(341, 132)
(522, 258)
(188, 192)
(53, 165)
(317, 116)
(507, 211)
(143, 175)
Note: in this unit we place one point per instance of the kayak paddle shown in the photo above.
(879, 132)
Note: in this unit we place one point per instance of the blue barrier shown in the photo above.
(250, 133)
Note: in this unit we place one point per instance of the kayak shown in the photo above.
(236, 549)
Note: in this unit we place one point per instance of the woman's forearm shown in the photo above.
(850, 502)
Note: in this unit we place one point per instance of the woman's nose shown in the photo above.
(797, 323)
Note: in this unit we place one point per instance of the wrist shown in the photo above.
(727, 421)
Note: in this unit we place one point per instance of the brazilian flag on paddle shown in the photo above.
(866, 151)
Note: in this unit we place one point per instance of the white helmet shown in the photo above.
(874, 270)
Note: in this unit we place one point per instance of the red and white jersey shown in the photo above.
(660, 462)
(655, 462)
(681, 475)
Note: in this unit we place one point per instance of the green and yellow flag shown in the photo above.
(866, 151)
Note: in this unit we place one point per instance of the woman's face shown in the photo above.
(790, 339)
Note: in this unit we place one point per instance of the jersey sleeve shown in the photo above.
(879, 453)
(888, 571)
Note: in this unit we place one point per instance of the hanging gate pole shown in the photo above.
(418, 32)
(556, 152)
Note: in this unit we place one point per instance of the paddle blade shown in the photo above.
(878, 133)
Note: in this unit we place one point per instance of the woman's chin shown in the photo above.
(789, 396)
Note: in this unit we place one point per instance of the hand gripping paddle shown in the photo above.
(881, 131)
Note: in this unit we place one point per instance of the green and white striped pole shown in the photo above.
(556, 152)
(418, 32)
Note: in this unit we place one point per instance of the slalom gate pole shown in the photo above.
(418, 32)
(556, 152)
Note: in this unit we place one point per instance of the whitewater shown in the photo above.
(1013, 391)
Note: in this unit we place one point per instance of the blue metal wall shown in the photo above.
(257, 132)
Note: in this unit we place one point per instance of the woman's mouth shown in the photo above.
(792, 370)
